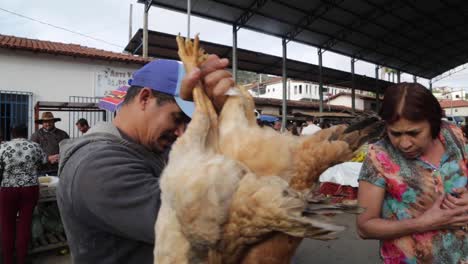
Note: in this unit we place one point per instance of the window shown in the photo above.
(300, 89)
(295, 89)
(14, 110)
(262, 90)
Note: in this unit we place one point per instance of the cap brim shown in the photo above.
(187, 107)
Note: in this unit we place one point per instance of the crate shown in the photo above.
(47, 191)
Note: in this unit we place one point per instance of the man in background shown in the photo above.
(277, 125)
(82, 125)
(311, 127)
(49, 137)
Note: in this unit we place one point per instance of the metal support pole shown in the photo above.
(415, 78)
(377, 95)
(320, 51)
(234, 52)
(189, 11)
(398, 76)
(430, 85)
(353, 90)
(130, 23)
(145, 30)
(284, 112)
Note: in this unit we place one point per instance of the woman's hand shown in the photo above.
(444, 214)
(458, 197)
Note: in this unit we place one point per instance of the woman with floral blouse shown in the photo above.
(413, 183)
(19, 192)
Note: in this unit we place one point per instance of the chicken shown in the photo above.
(237, 193)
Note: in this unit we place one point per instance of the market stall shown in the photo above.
(47, 229)
(341, 181)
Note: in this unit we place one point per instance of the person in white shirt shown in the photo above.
(311, 128)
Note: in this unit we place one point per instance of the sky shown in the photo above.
(108, 21)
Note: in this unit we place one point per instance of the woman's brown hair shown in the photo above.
(413, 102)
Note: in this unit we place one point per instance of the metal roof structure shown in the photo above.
(162, 45)
(423, 38)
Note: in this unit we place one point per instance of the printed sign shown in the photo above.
(110, 79)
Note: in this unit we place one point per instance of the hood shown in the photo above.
(99, 132)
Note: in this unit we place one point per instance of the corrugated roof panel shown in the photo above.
(163, 45)
(411, 23)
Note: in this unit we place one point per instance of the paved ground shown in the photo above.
(50, 257)
(349, 249)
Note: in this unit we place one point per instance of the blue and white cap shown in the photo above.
(164, 76)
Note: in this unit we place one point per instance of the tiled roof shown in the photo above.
(57, 48)
(454, 103)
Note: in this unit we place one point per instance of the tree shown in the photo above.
(244, 77)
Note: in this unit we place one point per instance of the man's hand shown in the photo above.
(216, 80)
(53, 158)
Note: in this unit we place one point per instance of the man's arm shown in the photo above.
(65, 135)
(119, 192)
(35, 137)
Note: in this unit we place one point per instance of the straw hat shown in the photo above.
(46, 116)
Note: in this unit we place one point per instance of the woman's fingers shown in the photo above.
(450, 202)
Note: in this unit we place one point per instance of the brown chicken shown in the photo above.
(237, 193)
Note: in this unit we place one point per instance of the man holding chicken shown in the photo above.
(109, 190)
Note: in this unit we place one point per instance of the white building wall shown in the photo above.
(273, 91)
(452, 94)
(457, 111)
(55, 78)
(457, 95)
(346, 101)
(298, 90)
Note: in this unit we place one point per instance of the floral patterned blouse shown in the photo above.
(411, 188)
(19, 160)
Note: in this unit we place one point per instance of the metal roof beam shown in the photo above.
(346, 30)
(457, 10)
(360, 21)
(309, 18)
(279, 19)
(428, 17)
(304, 28)
(148, 4)
(405, 24)
(444, 28)
(313, 31)
(249, 12)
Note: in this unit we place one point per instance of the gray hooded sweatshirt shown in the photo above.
(109, 197)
